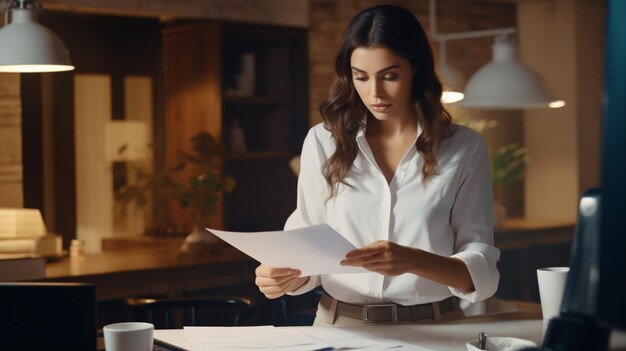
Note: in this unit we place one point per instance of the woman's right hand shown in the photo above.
(276, 282)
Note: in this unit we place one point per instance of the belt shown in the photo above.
(391, 312)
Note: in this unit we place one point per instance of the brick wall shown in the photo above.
(328, 20)
(10, 141)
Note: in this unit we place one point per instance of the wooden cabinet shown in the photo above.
(247, 86)
(526, 245)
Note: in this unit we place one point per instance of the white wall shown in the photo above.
(94, 181)
(561, 40)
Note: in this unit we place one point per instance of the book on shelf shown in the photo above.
(21, 223)
(49, 245)
(20, 267)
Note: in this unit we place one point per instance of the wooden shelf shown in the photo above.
(256, 155)
(522, 233)
(135, 272)
(273, 118)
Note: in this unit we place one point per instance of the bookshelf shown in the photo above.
(248, 86)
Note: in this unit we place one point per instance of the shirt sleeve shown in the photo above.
(311, 198)
(472, 222)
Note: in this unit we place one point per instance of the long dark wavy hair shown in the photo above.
(343, 112)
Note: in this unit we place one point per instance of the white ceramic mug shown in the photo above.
(128, 336)
(551, 287)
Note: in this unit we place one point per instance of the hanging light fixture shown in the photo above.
(28, 46)
(504, 83)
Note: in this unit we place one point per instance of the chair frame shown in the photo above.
(247, 305)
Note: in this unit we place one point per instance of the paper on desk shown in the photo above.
(312, 250)
(286, 338)
(249, 338)
(359, 338)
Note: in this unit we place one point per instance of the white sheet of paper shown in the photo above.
(250, 338)
(286, 338)
(313, 250)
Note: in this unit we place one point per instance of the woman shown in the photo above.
(389, 171)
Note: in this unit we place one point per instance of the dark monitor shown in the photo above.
(612, 288)
(47, 316)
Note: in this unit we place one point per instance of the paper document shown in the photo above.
(313, 250)
(250, 338)
(292, 339)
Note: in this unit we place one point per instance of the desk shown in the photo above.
(154, 271)
(525, 324)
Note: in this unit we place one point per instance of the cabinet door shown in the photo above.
(247, 86)
(265, 91)
(193, 101)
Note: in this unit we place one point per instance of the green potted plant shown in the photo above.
(198, 193)
(144, 188)
(507, 165)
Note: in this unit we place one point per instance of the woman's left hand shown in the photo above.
(383, 257)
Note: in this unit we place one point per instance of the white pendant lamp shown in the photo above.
(27, 46)
(504, 83)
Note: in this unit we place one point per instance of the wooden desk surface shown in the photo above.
(153, 271)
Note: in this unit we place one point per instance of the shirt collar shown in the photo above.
(360, 135)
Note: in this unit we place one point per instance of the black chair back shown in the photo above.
(193, 311)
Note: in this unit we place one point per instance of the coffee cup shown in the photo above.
(551, 288)
(128, 336)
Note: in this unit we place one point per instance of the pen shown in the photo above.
(325, 349)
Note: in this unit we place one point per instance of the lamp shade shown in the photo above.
(27, 46)
(504, 83)
(452, 81)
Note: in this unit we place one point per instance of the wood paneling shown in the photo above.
(192, 97)
(202, 64)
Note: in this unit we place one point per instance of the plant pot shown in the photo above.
(199, 243)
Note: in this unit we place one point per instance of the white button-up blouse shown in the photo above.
(450, 215)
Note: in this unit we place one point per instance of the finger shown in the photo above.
(266, 271)
(276, 289)
(365, 251)
(378, 266)
(363, 260)
(269, 281)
